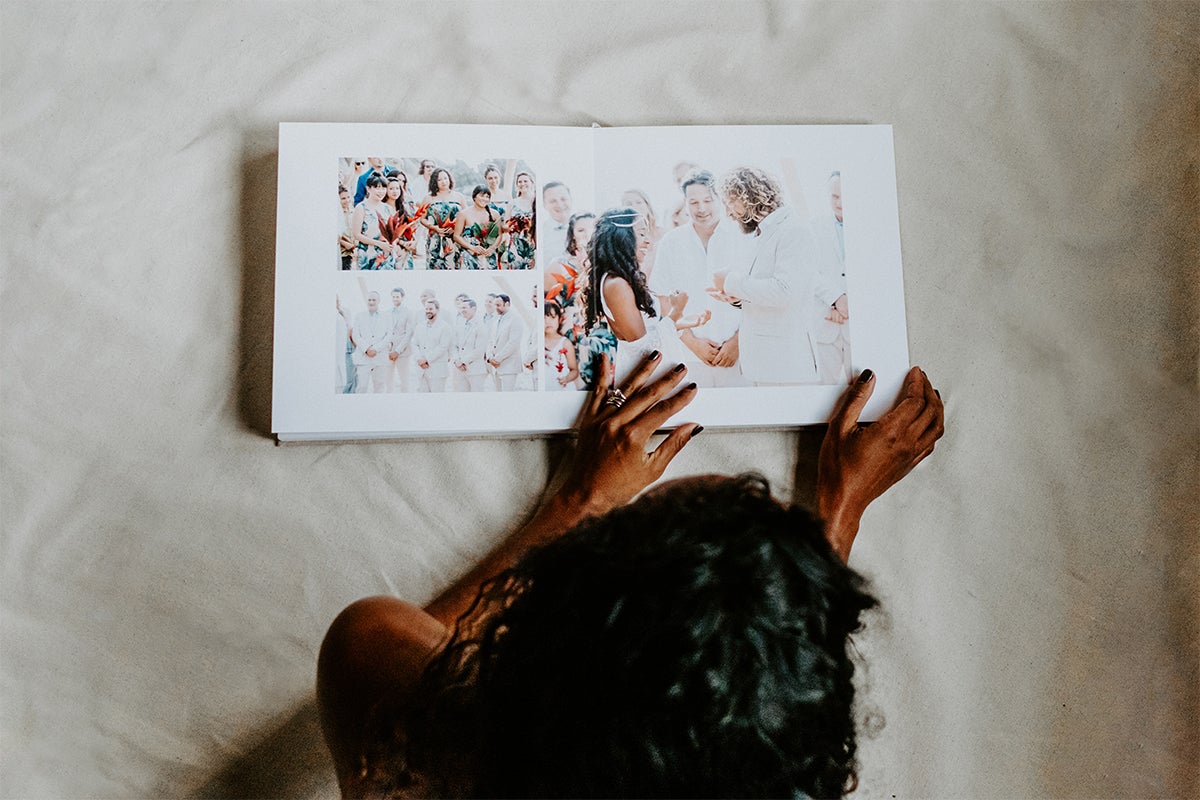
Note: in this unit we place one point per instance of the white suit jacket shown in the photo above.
(404, 324)
(371, 331)
(831, 275)
(471, 347)
(432, 342)
(506, 343)
(777, 292)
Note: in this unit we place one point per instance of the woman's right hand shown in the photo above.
(859, 462)
(611, 463)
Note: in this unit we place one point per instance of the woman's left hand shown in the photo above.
(611, 462)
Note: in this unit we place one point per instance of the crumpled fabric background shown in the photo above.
(168, 572)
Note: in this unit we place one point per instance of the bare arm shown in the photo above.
(572, 368)
(460, 223)
(378, 646)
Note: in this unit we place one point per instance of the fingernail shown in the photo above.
(866, 376)
(695, 431)
(690, 386)
(939, 394)
(653, 355)
(678, 368)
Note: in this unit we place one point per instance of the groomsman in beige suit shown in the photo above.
(372, 337)
(470, 351)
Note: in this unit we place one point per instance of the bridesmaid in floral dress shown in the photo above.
(477, 230)
(520, 223)
(400, 227)
(372, 250)
(442, 207)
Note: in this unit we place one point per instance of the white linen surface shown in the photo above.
(168, 572)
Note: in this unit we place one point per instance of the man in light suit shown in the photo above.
(685, 262)
(504, 353)
(432, 342)
(830, 310)
(776, 294)
(372, 335)
(404, 323)
(470, 351)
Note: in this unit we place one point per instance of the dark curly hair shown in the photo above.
(613, 251)
(693, 643)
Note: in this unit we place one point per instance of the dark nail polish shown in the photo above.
(696, 430)
(866, 376)
(689, 387)
(679, 368)
(654, 354)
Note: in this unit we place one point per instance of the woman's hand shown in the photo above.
(611, 462)
(858, 463)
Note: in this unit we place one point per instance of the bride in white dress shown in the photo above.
(622, 314)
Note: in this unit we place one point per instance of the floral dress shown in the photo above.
(443, 252)
(369, 256)
(556, 363)
(397, 230)
(523, 245)
(482, 236)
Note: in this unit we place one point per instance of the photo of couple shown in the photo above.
(745, 281)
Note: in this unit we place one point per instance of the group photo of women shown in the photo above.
(426, 214)
(738, 273)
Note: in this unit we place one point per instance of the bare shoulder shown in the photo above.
(616, 290)
(375, 649)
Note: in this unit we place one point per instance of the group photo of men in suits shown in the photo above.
(455, 334)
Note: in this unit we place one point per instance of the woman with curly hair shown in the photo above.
(441, 205)
(693, 642)
(623, 318)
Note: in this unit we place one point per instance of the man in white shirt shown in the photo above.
(776, 293)
(432, 342)
(556, 203)
(404, 323)
(504, 353)
(470, 350)
(686, 259)
(372, 336)
(830, 309)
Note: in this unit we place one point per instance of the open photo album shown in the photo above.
(467, 279)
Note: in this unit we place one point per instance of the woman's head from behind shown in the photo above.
(613, 251)
(692, 643)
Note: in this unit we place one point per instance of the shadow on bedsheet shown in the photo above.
(256, 212)
(289, 761)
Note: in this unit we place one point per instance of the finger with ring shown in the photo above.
(615, 398)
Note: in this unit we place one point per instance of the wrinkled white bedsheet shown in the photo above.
(168, 572)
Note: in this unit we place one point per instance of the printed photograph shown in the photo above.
(736, 270)
(429, 214)
(405, 333)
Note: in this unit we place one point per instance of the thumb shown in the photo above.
(845, 417)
